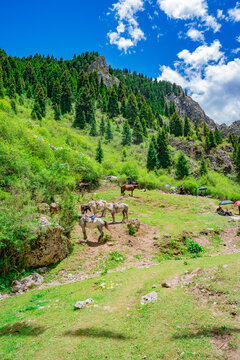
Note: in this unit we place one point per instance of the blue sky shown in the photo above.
(195, 43)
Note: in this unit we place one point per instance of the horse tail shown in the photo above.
(106, 226)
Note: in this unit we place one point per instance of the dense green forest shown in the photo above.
(60, 125)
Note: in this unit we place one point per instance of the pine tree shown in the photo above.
(171, 108)
(121, 92)
(150, 117)
(11, 90)
(237, 161)
(203, 168)
(176, 125)
(113, 107)
(102, 127)
(166, 111)
(1, 83)
(151, 157)
(137, 132)
(56, 92)
(40, 98)
(126, 134)
(187, 126)
(210, 141)
(66, 94)
(99, 153)
(93, 126)
(182, 168)
(218, 136)
(57, 112)
(80, 117)
(36, 111)
(108, 134)
(159, 120)
(144, 126)
(163, 153)
(205, 129)
(132, 109)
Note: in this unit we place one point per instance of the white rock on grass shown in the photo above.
(21, 285)
(82, 304)
(151, 297)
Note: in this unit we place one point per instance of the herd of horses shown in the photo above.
(102, 206)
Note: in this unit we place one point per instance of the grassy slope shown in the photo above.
(119, 328)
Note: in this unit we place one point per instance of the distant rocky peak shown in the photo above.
(101, 67)
(185, 105)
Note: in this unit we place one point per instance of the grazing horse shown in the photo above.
(86, 222)
(97, 205)
(131, 188)
(115, 208)
(83, 186)
(85, 208)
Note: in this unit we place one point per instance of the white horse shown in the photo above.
(97, 205)
(86, 222)
(116, 208)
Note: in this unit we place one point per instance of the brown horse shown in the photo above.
(131, 188)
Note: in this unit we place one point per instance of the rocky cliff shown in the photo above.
(185, 105)
(233, 128)
(100, 66)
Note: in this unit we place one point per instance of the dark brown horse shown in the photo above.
(130, 187)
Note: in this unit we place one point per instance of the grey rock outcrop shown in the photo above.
(21, 285)
(100, 66)
(135, 223)
(50, 247)
(82, 304)
(233, 128)
(151, 297)
(185, 105)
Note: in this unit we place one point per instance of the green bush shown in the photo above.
(193, 247)
(190, 186)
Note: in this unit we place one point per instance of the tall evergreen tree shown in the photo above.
(151, 157)
(163, 153)
(159, 120)
(93, 126)
(113, 107)
(57, 112)
(132, 109)
(102, 127)
(144, 126)
(171, 108)
(137, 131)
(121, 92)
(11, 89)
(176, 125)
(1, 83)
(66, 94)
(80, 117)
(108, 134)
(182, 168)
(205, 129)
(126, 134)
(210, 141)
(187, 126)
(218, 136)
(150, 117)
(40, 98)
(56, 92)
(203, 168)
(99, 153)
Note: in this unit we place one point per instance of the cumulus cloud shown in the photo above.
(188, 10)
(195, 35)
(128, 33)
(234, 14)
(214, 83)
(220, 14)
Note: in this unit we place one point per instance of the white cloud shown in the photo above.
(238, 38)
(188, 10)
(128, 32)
(234, 14)
(236, 51)
(215, 83)
(195, 35)
(202, 55)
(220, 14)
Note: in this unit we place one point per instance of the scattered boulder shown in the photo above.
(167, 236)
(112, 178)
(21, 285)
(43, 207)
(166, 285)
(54, 207)
(134, 223)
(82, 304)
(50, 246)
(151, 297)
(143, 190)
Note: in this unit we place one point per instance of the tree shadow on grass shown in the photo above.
(207, 332)
(22, 329)
(96, 333)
